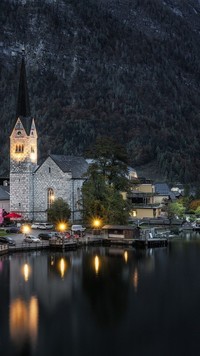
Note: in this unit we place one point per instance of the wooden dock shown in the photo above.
(84, 241)
(3, 249)
(63, 245)
(150, 242)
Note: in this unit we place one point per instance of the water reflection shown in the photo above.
(78, 299)
(24, 321)
(96, 264)
(26, 272)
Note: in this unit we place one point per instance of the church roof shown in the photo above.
(23, 106)
(77, 165)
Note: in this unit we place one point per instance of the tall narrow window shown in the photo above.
(78, 198)
(50, 197)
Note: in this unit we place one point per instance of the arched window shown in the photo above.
(17, 148)
(50, 197)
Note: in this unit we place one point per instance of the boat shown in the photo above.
(196, 225)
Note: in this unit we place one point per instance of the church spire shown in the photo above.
(23, 106)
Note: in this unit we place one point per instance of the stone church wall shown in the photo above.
(49, 175)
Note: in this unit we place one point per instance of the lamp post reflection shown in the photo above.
(135, 279)
(126, 256)
(62, 267)
(26, 272)
(96, 264)
(24, 320)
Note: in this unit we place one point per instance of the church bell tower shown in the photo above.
(23, 153)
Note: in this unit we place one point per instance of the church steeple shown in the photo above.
(23, 152)
(23, 106)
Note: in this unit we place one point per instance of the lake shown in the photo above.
(102, 301)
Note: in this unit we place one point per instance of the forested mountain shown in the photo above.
(129, 69)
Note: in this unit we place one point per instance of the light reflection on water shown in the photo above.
(102, 301)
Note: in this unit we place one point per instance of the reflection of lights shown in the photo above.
(52, 261)
(24, 320)
(125, 256)
(33, 318)
(96, 264)
(26, 272)
(62, 267)
(135, 279)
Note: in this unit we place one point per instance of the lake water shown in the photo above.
(102, 301)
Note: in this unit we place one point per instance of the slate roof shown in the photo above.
(163, 189)
(23, 106)
(4, 193)
(77, 165)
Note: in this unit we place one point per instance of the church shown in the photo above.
(33, 187)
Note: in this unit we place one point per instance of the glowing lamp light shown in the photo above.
(25, 229)
(96, 223)
(62, 227)
(33, 156)
(96, 264)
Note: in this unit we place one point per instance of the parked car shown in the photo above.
(42, 226)
(45, 235)
(78, 228)
(31, 238)
(7, 240)
(13, 230)
(46, 226)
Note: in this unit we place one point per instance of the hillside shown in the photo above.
(129, 69)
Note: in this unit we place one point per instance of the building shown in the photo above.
(4, 198)
(142, 199)
(33, 187)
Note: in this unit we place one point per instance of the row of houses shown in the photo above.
(146, 197)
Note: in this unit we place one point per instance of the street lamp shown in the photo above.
(96, 224)
(62, 227)
(25, 229)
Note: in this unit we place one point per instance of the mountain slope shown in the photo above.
(128, 69)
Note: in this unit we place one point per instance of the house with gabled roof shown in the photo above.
(163, 193)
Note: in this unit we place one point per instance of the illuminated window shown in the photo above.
(50, 197)
(19, 148)
(133, 213)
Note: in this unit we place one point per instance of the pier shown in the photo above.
(84, 241)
